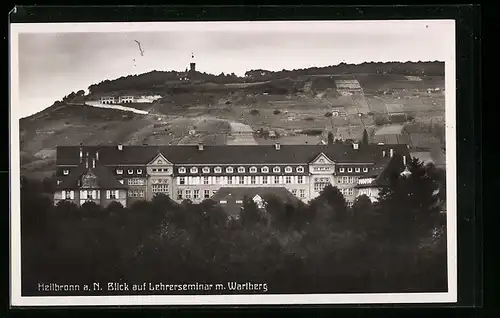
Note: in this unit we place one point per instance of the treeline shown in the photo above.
(158, 80)
(395, 245)
(408, 68)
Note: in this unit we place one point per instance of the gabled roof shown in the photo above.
(383, 173)
(105, 179)
(228, 154)
(232, 194)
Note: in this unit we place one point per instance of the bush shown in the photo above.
(254, 112)
(277, 112)
(228, 102)
(381, 120)
(328, 114)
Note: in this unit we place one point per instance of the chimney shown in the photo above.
(120, 147)
(277, 146)
(87, 162)
(97, 156)
(391, 152)
(404, 160)
(93, 162)
(81, 154)
(383, 153)
(355, 145)
(200, 146)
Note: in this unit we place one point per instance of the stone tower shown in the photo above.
(192, 65)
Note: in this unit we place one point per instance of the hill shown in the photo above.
(296, 105)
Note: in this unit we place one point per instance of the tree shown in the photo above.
(365, 137)
(250, 214)
(330, 206)
(330, 138)
(361, 213)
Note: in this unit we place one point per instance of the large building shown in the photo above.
(196, 172)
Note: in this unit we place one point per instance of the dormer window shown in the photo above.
(139, 171)
(253, 170)
(349, 169)
(218, 170)
(365, 169)
(265, 169)
(241, 169)
(159, 161)
(206, 170)
(130, 171)
(300, 169)
(59, 182)
(193, 170)
(229, 169)
(341, 169)
(276, 169)
(65, 172)
(358, 170)
(288, 169)
(182, 170)
(121, 181)
(119, 171)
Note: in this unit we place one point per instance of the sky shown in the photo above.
(53, 61)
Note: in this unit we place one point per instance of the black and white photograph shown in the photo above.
(233, 163)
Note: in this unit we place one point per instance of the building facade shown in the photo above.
(196, 172)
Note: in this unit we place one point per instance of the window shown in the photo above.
(300, 179)
(136, 193)
(139, 171)
(340, 180)
(288, 179)
(365, 169)
(276, 179)
(196, 195)
(160, 188)
(253, 170)
(265, 169)
(288, 169)
(321, 168)
(188, 194)
(253, 180)
(241, 169)
(206, 194)
(193, 170)
(218, 170)
(214, 192)
(276, 169)
(182, 180)
(154, 169)
(341, 169)
(302, 193)
(206, 170)
(217, 180)
(350, 191)
(130, 171)
(239, 201)
(159, 161)
(110, 194)
(119, 171)
(222, 201)
(345, 179)
(92, 194)
(349, 169)
(357, 169)
(300, 169)
(182, 170)
(205, 180)
(264, 179)
(229, 180)
(241, 180)
(350, 180)
(65, 172)
(294, 192)
(59, 182)
(179, 194)
(229, 169)
(63, 194)
(136, 181)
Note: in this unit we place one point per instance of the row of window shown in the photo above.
(136, 193)
(347, 191)
(248, 180)
(129, 171)
(347, 180)
(90, 194)
(276, 169)
(193, 194)
(239, 170)
(353, 169)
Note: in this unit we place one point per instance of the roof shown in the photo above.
(384, 173)
(227, 193)
(105, 179)
(231, 195)
(228, 154)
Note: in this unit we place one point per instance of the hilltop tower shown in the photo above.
(192, 65)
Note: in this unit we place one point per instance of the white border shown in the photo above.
(296, 26)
